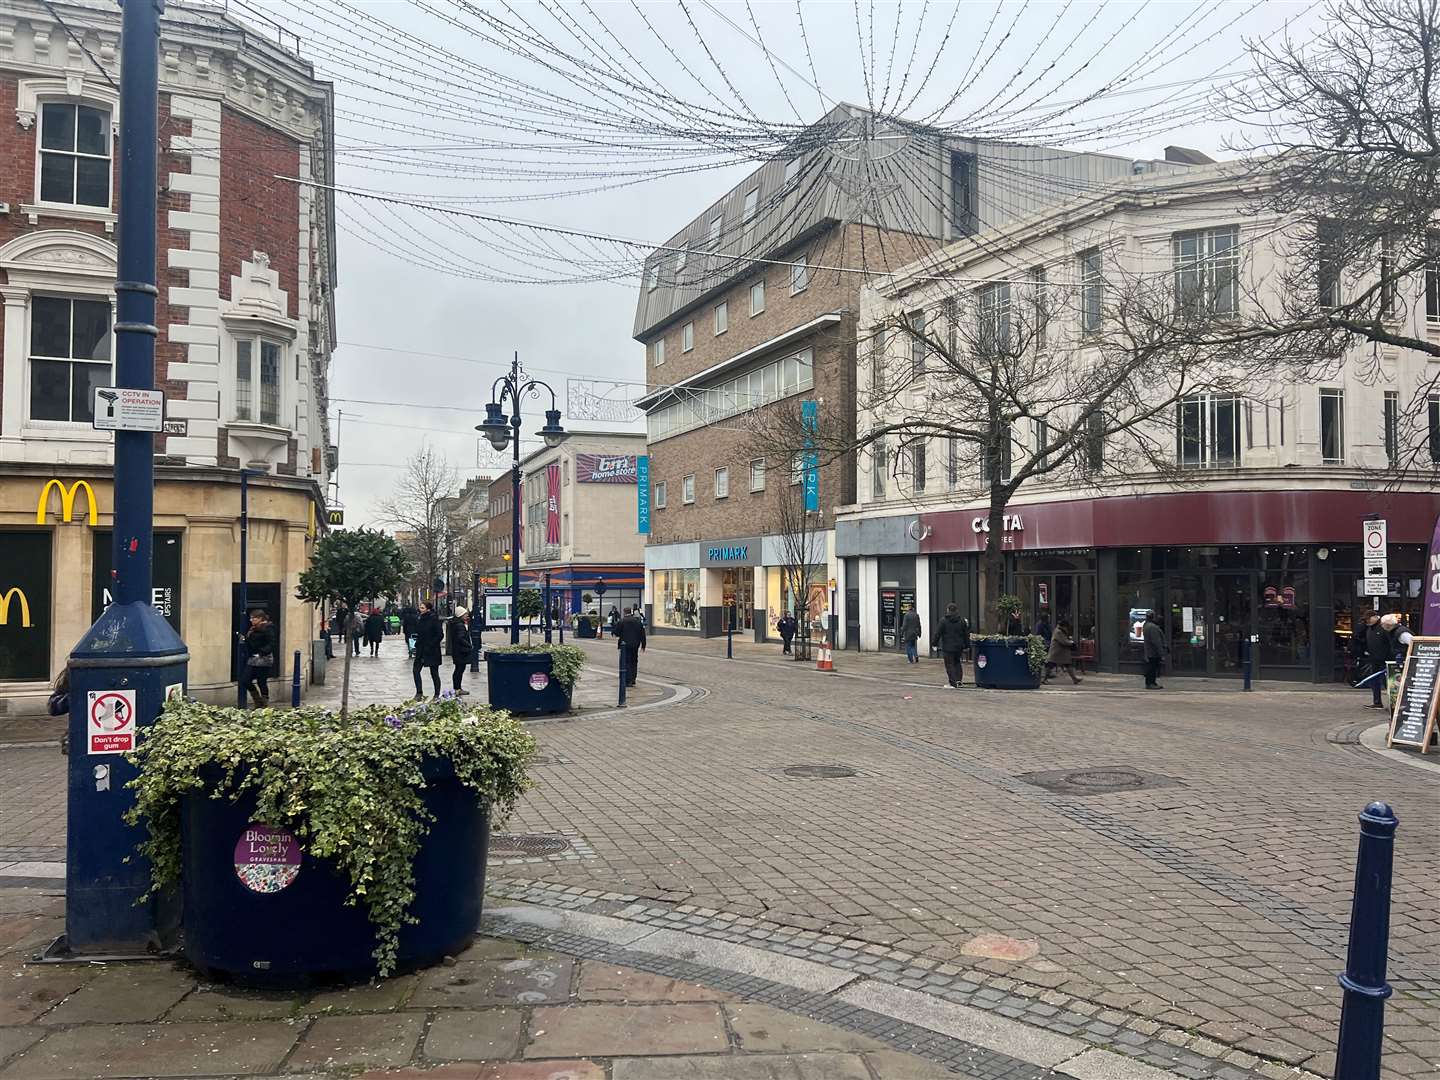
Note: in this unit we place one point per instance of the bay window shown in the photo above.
(257, 380)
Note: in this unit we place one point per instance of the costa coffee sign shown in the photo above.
(605, 469)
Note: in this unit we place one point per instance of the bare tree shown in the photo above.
(416, 507)
(802, 548)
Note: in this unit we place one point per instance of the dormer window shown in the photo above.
(75, 151)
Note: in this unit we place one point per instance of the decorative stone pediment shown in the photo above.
(257, 299)
(74, 85)
(59, 251)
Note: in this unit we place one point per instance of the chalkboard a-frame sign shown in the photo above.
(1418, 694)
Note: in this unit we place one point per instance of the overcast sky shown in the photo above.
(421, 345)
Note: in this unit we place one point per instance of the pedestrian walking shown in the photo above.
(259, 658)
(1154, 638)
(374, 631)
(1062, 652)
(1379, 650)
(429, 638)
(355, 631)
(459, 644)
(787, 626)
(409, 620)
(910, 635)
(952, 638)
(1044, 631)
(630, 640)
(1015, 626)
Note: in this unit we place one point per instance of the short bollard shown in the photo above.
(621, 703)
(1362, 1010)
(730, 640)
(1248, 649)
(295, 682)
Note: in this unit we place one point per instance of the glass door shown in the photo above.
(1189, 628)
(1234, 612)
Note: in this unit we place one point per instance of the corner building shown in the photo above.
(246, 316)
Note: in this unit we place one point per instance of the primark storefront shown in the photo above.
(1218, 567)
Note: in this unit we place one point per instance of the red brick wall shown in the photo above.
(258, 212)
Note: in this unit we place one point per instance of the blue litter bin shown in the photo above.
(280, 921)
(524, 684)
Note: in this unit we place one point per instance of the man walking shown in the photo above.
(787, 626)
(1154, 637)
(952, 638)
(630, 640)
(1379, 648)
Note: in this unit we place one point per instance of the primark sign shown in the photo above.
(741, 552)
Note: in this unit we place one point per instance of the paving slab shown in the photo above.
(526, 980)
(15, 1039)
(728, 956)
(607, 982)
(226, 1003)
(599, 927)
(124, 994)
(27, 993)
(379, 996)
(483, 1035)
(574, 1069)
(609, 1030)
(345, 1041)
(763, 1029)
(1104, 1065)
(898, 1065)
(745, 1067)
(111, 1051)
(976, 1026)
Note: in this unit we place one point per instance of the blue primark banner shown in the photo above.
(809, 417)
(642, 495)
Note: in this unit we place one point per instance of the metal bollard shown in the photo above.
(730, 640)
(1248, 648)
(1362, 1011)
(621, 704)
(242, 670)
(295, 683)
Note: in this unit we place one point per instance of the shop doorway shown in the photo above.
(1210, 617)
(738, 591)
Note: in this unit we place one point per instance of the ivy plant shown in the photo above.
(348, 787)
(565, 660)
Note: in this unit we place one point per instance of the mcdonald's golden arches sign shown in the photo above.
(67, 501)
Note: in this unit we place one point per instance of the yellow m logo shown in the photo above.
(67, 500)
(5, 599)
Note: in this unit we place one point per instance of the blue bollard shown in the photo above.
(1248, 649)
(1362, 1011)
(730, 640)
(295, 683)
(621, 705)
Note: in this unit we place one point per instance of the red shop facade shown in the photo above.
(1217, 566)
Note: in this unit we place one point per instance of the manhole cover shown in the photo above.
(819, 772)
(526, 845)
(1097, 780)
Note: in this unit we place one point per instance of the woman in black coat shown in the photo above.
(459, 645)
(259, 658)
(374, 631)
(429, 637)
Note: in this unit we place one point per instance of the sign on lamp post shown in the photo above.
(1376, 552)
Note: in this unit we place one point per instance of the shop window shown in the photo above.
(1208, 432)
(677, 599)
(74, 164)
(1284, 617)
(1332, 426)
(1207, 272)
(1092, 290)
(257, 380)
(69, 356)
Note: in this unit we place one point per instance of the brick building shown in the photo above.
(246, 317)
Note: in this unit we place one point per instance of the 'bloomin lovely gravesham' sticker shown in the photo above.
(266, 859)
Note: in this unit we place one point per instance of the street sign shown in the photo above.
(176, 427)
(1375, 586)
(1413, 722)
(110, 721)
(335, 517)
(125, 408)
(1376, 552)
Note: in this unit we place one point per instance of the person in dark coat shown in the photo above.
(409, 620)
(1016, 626)
(952, 638)
(259, 658)
(1062, 652)
(910, 636)
(429, 637)
(459, 645)
(355, 629)
(374, 630)
(1379, 648)
(1154, 638)
(630, 640)
(787, 626)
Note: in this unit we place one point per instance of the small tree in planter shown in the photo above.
(350, 566)
(1007, 608)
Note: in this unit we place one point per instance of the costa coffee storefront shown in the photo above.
(1218, 567)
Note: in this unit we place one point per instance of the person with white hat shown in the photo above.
(459, 643)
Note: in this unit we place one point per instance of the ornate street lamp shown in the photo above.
(501, 431)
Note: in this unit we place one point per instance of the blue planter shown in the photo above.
(1004, 665)
(524, 684)
(584, 628)
(302, 932)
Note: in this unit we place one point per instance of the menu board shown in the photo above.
(1414, 718)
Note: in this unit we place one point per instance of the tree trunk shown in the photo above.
(994, 563)
(345, 677)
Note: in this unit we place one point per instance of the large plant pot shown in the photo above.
(524, 684)
(245, 922)
(1004, 665)
(584, 628)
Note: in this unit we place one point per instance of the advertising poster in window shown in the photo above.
(165, 577)
(25, 601)
(889, 620)
(552, 505)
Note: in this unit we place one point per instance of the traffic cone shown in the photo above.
(822, 656)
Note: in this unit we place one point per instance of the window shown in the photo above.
(257, 380)
(1042, 441)
(963, 216)
(687, 337)
(752, 203)
(799, 275)
(1092, 290)
(69, 356)
(1391, 423)
(1037, 302)
(757, 297)
(714, 236)
(722, 318)
(1389, 287)
(995, 461)
(792, 170)
(1208, 432)
(877, 360)
(1207, 272)
(659, 498)
(993, 305)
(758, 386)
(917, 467)
(879, 464)
(1432, 281)
(658, 349)
(681, 258)
(1433, 417)
(1328, 239)
(797, 468)
(687, 489)
(1332, 426)
(722, 483)
(565, 528)
(757, 474)
(74, 154)
(1095, 442)
(652, 276)
(916, 321)
(952, 462)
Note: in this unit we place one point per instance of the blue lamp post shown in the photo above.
(501, 432)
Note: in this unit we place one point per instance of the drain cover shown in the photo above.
(1097, 780)
(526, 845)
(820, 772)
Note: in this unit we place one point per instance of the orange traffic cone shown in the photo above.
(822, 656)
